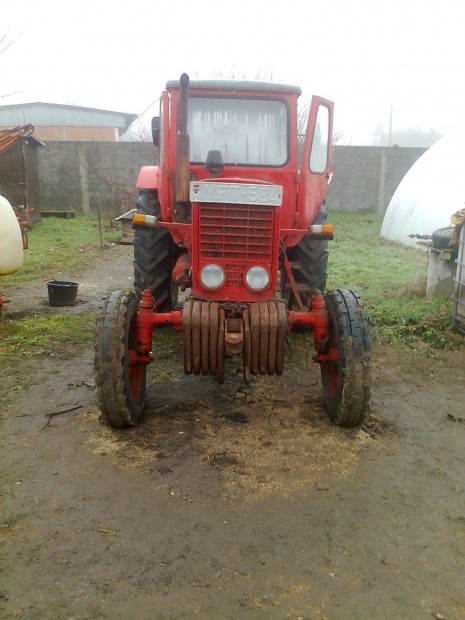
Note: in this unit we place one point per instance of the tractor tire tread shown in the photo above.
(109, 349)
(352, 404)
(309, 263)
(154, 250)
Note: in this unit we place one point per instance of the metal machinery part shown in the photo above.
(257, 331)
(213, 329)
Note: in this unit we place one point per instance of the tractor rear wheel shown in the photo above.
(120, 380)
(309, 263)
(154, 257)
(346, 376)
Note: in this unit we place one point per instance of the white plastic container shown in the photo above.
(11, 242)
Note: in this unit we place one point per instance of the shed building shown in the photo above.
(19, 175)
(67, 123)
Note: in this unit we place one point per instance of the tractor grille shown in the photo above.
(237, 236)
(238, 232)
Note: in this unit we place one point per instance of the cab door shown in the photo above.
(315, 169)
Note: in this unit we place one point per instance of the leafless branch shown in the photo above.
(5, 43)
(55, 413)
(15, 92)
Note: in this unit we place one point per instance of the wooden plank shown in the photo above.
(67, 214)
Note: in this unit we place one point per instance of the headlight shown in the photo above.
(212, 277)
(257, 278)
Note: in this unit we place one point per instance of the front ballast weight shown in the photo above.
(213, 331)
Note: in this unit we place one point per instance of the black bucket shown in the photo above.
(62, 293)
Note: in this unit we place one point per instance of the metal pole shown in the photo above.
(390, 126)
(100, 222)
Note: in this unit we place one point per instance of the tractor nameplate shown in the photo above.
(236, 193)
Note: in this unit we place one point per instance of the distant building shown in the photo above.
(407, 138)
(67, 123)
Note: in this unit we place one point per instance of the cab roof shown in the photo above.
(229, 85)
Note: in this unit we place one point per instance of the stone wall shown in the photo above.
(87, 175)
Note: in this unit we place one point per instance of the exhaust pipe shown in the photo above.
(182, 144)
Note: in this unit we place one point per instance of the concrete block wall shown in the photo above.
(366, 177)
(84, 175)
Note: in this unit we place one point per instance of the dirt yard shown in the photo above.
(230, 502)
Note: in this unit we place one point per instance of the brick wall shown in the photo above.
(70, 134)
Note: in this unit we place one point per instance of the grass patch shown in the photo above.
(391, 279)
(373, 266)
(59, 244)
(168, 353)
(44, 335)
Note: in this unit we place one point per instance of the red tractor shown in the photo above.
(231, 214)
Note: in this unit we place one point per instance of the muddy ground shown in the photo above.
(234, 501)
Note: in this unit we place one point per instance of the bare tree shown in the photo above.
(302, 120)
(5, 43)
(235, 73)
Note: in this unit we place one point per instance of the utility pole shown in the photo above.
(390, 125)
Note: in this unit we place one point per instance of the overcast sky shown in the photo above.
(362, 54)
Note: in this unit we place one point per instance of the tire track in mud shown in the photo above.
(258, 440)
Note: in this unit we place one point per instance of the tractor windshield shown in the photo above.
(248, 132)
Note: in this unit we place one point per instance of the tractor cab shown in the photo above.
(229, 169)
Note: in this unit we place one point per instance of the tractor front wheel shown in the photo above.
(120, 380)
(346, 373)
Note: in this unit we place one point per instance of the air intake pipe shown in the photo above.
(182, 144)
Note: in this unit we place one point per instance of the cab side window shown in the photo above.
(319, 151)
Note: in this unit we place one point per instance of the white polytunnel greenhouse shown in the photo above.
(431, 191)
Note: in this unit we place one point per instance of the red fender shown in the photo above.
(148, 178)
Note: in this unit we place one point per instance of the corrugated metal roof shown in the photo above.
(59, 115)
